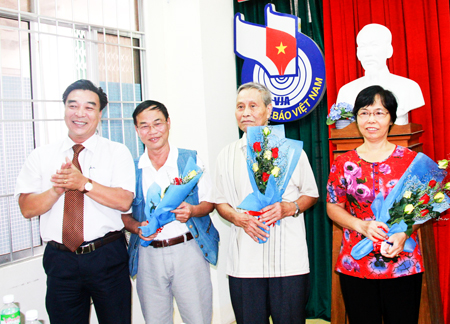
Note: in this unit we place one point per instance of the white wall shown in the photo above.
(191, 69)
(26, 280)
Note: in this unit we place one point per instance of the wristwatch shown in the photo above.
(88, 186)
(297, 211)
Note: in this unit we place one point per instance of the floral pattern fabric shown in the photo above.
(356, 182)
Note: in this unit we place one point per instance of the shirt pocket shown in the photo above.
(102, 176)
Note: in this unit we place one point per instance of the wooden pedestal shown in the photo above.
(347, 139)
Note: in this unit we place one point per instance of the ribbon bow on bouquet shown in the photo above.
(271, 160)
(409, 203)
(157, 209)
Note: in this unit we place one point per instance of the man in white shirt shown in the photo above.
(176, 263)
(85, 257)
(272, 278)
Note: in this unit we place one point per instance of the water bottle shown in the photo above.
(10, 313)
(31, 317)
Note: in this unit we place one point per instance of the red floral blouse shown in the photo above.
(356, 182)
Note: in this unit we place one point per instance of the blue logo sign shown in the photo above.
(287, 62)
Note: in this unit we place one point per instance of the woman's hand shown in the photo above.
(373, 230)
(398, 240)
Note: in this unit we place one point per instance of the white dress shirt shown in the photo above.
(103, 161)
(164, 177)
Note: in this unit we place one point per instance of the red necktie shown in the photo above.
(72, 235)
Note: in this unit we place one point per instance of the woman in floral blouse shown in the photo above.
(384, 286)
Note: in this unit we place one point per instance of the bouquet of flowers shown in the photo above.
(418, 204)
(271, 160)
(418, 196)
(266, 162)
(340, 111)
(159, 203)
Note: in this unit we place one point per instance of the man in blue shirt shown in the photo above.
(175, 264)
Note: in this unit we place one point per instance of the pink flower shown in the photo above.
(352, 169)
(398, 152)
(362, 192)
(385, 168)
(351, 185)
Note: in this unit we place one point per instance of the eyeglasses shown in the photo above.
(158, 126)
(379, 114)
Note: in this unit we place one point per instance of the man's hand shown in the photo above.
(56, 182)
(139, 232)
(68, 178)
(275, 212)
(133, 225)
(252, 226)
(183, 212)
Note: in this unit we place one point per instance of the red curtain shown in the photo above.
(421, 40)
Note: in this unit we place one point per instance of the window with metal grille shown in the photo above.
(45, 45)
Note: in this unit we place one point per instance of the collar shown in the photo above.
(172, 158)
(243, 141)
(89, 144)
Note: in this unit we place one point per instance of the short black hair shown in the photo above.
(155, 105)
(367, 96)
(83, 84)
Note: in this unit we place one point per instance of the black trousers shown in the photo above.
(254, 300)
(377, 301)
(72, 280)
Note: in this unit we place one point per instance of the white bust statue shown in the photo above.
(374, 48)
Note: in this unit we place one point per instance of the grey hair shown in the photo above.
(266, 96)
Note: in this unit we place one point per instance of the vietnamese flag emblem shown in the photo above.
(273, 46)
(281, 48)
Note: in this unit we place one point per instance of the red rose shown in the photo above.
(257, 146)
(424, 212)
(275, 152)
(425, 199)
(432, 183)
(177, 181)
(265, 176)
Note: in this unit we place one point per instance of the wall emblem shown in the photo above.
(287, 62)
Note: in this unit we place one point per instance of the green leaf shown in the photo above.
(409, 230)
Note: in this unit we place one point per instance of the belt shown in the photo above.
(172, 241)
(90, 246)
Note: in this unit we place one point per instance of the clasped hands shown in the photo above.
(68, 177)
(270, 215)
(376, 232)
